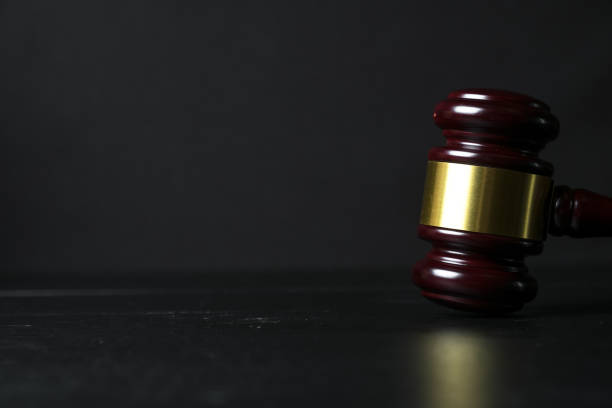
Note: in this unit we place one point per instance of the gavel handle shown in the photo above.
(580, 213)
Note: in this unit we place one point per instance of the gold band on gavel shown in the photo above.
(486, 199)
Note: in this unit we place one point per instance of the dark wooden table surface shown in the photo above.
(327, 340)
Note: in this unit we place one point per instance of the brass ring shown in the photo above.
(486, 199)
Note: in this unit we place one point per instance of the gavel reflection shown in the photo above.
(460, 369)
(489, 201)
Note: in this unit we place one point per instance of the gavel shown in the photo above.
(489, 202)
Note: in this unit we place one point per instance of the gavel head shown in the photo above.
(486, 199)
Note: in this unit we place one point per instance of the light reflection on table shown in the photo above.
(459, 369)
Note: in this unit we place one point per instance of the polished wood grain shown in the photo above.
(474, 271)
(580, 213)
(482, 272)
(494, 128)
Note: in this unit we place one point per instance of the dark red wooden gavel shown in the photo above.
(489, 201)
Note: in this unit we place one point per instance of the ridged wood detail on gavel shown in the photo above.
(580, 213)
(493, 139)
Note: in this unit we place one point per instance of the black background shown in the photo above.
(173, 136)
